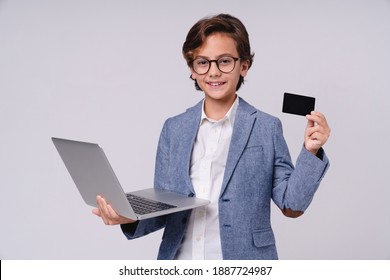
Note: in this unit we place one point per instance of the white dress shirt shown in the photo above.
(208, 161)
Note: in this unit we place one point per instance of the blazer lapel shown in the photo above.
(243, 124)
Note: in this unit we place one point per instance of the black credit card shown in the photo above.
(298, 104)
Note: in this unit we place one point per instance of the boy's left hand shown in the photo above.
(317, 132)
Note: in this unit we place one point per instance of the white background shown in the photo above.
(112, 71)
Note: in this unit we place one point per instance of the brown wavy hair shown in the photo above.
(222, 23)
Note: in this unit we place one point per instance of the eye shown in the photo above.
(225, 61)
(201, 62)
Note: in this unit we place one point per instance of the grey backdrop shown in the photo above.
(111, 72)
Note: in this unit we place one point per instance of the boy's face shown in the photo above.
(217, 85)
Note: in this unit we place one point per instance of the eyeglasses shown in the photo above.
(225, 64)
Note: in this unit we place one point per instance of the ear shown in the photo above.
(193, 74)
(244, 68)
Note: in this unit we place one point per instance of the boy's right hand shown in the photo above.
(108, 215)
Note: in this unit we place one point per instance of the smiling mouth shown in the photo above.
(216, 84)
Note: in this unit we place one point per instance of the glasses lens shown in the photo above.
(226, 64)
(201, 65)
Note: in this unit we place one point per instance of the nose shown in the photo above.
(214, 71)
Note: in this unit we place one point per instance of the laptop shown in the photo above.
(93, 175)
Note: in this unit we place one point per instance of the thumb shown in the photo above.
(310, 123)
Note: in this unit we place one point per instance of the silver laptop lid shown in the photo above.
(92, 173)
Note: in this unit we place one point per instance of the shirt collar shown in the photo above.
(230, 115)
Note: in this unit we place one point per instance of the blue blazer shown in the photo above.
(258, 169)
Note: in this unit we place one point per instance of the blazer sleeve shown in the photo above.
(294, 189)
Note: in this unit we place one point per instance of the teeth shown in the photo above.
(215, 84)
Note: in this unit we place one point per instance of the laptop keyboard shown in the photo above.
(142, 205)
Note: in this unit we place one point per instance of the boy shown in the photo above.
(225, 150)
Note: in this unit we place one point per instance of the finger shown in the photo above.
(317, 140)
(102, 204)
(112, 215)
(316, 136)
(323, 130)
(322, 127)
(111, 212)
(100, 201)
(103, 209)
(317, 117)
(108, 214)
(115, 218)
(317, 113)
(310, 129)
(315, 129)
(310, 124)
(96, 212)
(314, 115)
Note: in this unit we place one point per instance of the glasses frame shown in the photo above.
(216, 62)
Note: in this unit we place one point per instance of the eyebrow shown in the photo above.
(217, 57)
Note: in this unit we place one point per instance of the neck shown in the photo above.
(217, 109)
